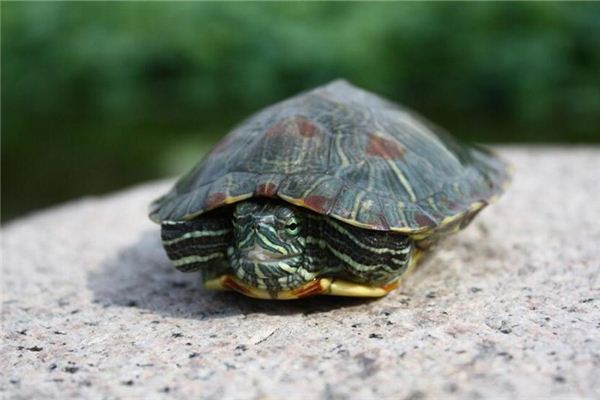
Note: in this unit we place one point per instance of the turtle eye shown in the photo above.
(292, 228)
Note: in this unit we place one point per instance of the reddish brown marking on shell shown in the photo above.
(215, 200)
(424, 220)
(384, 148)
(306, 127)
(318, 203)
(295, 125)
(276, 130)
(267, 189)
(233, 285)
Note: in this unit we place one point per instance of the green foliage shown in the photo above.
(99, 95)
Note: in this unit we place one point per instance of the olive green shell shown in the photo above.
(346, 153)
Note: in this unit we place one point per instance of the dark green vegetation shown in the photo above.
(98, 96)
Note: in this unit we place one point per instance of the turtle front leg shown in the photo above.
(360, 258)
(199, 244)
(339, 287)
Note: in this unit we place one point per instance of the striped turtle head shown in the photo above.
(268, 250)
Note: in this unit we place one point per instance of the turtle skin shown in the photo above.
(348, 154)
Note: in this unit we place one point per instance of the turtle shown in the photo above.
(333, 191)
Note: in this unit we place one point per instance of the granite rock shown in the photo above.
(509, 308)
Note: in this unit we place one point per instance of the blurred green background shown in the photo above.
(98, 96)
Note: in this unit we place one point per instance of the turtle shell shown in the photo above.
(343, 152)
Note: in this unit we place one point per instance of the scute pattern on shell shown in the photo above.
(343, 152)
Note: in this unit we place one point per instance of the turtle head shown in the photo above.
(268, 250)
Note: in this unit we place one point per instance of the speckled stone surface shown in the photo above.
(509, 308)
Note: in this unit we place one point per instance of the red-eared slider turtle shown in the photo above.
(333, 191)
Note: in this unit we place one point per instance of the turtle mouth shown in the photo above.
(262, 255)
